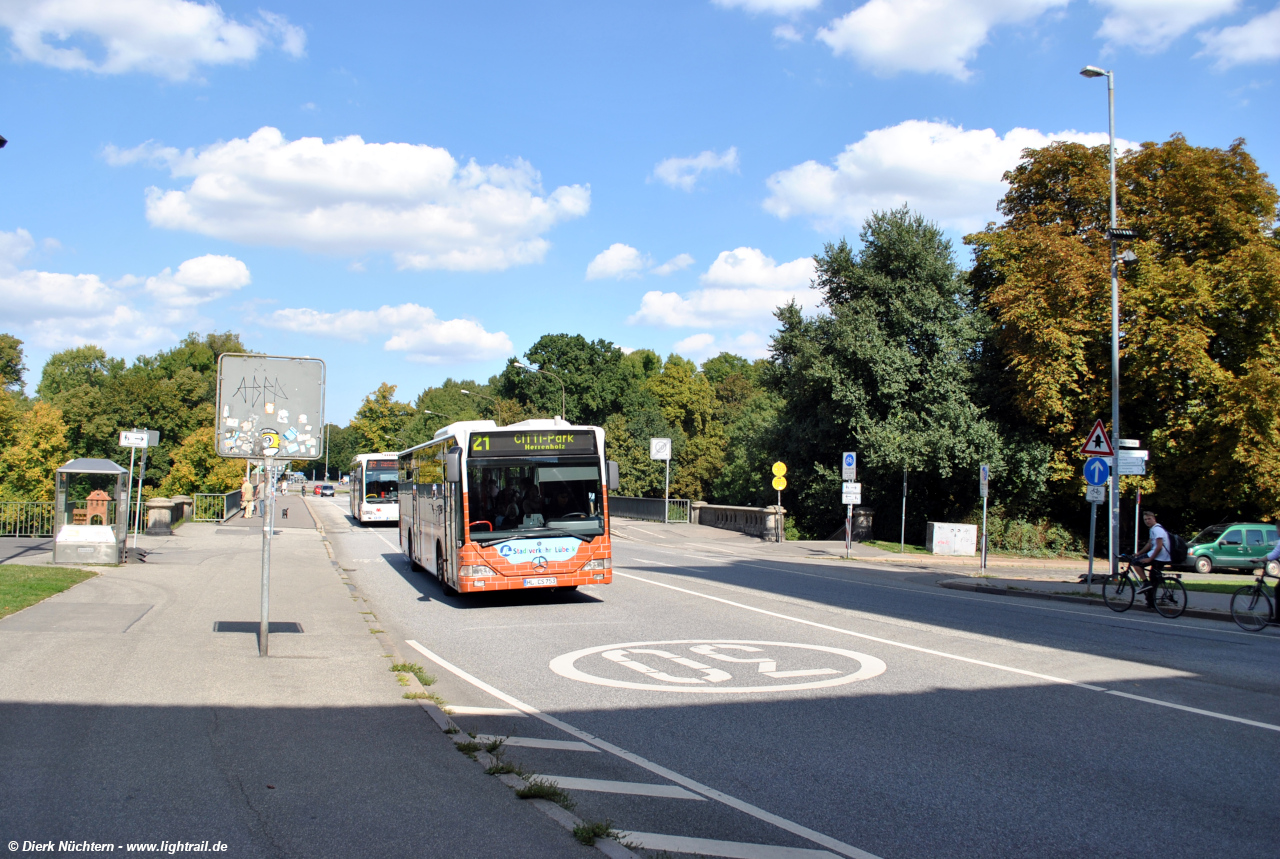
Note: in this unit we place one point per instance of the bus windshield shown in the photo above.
(381, 480)
(510, 498)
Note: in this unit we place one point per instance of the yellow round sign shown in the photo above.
(779, 483)
(779, 469)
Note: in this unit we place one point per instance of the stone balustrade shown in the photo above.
(767, 523)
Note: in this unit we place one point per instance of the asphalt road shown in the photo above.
(800, 709)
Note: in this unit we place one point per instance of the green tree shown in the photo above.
(12, 370)
(888, 372)
(37, 448)
(687, 401)
(72, 369)
(198, 468)
(380, 421)
(1200, 358)
(596, 375)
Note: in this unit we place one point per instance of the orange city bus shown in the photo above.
(522, 506)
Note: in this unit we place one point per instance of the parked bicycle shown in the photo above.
(1251, 608)
(1119, 590)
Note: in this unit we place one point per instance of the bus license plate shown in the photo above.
(539, 583)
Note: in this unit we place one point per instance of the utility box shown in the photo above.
(950, 538)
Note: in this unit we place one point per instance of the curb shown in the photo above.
(440, 717)
(1004, 590)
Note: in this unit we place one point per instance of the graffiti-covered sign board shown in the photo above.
(270, 405)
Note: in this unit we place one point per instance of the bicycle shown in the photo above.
(1250, 605)
(1119, 590)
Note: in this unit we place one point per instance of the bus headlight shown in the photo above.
(599, 564)
(478, 570)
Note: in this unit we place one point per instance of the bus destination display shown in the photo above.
(533, 443)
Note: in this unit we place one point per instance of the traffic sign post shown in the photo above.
(1097, 471)
(984, 474)
(779, 483)
(850, 494)
(849, 466)
(660, 448)
(269, 406)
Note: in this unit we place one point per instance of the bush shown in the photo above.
(1039, 539)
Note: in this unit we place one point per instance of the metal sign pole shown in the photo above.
(1093, 522)
(1137, 508)
(268, 520)
(137, 516)
(902, 538)
(128, 498)
(984, 531)
(666, 495)
(848, 531)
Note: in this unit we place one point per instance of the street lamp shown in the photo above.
(1112, 235)
(497, 406)
(552, 375)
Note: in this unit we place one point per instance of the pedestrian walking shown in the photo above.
(246, 498)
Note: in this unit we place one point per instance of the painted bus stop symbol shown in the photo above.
(703, 666)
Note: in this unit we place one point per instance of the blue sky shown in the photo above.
(419, 190)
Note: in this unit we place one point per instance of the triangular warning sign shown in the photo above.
(1097, 444)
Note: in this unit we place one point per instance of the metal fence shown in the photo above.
(649, 509)
(26, 518)
(215, 507)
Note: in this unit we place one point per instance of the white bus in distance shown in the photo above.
(375, 488)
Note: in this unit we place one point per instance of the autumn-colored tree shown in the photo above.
(380, 421)
(197, 467)
(37, 448)
(1200, 355)
(12, 370)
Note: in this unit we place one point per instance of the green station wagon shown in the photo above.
(1232, 544)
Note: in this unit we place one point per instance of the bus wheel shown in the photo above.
(442, 572)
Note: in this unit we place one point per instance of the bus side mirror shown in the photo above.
(453, 465)
(614, 482)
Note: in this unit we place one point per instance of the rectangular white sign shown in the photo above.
(851, 493)
(1095, 494)
(660, 448)
(270, 405)
(133, 439)
(1132, 462)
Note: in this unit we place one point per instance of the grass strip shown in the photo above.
(589, 830)
(541, 788)
(416, 670)
(23, 585)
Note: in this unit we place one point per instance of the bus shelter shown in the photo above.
(91, 512)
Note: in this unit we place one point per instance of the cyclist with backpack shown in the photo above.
(1155, 554)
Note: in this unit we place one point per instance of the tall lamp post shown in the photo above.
(552, 375)
(497, 407)
(1113, 234)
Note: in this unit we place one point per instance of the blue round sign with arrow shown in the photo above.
(1096, 471)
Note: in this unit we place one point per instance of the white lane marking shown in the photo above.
(459, 710)
(711, 847)
(538, 743)
(634, 788)
(389, 543)
(657, 769)
(867, 666)
(650, 533)
(997, 666)
(1110, 618)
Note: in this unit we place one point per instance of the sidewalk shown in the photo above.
(127, 718)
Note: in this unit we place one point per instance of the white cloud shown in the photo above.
(56, 310)
(950, 175)
(749, 344)
(787, 33)
(890, 36)
(414, 201)
(683, 173)
(617, 261)
(714, 308)
(199, 280)
(776, 7)
(1255, 41)
(170, 38)
(409, 328)
(1151, 25)
(676, 263)
(750, 267)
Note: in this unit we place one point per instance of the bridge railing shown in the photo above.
(26, 518)
(649, 509)
(215, 507)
